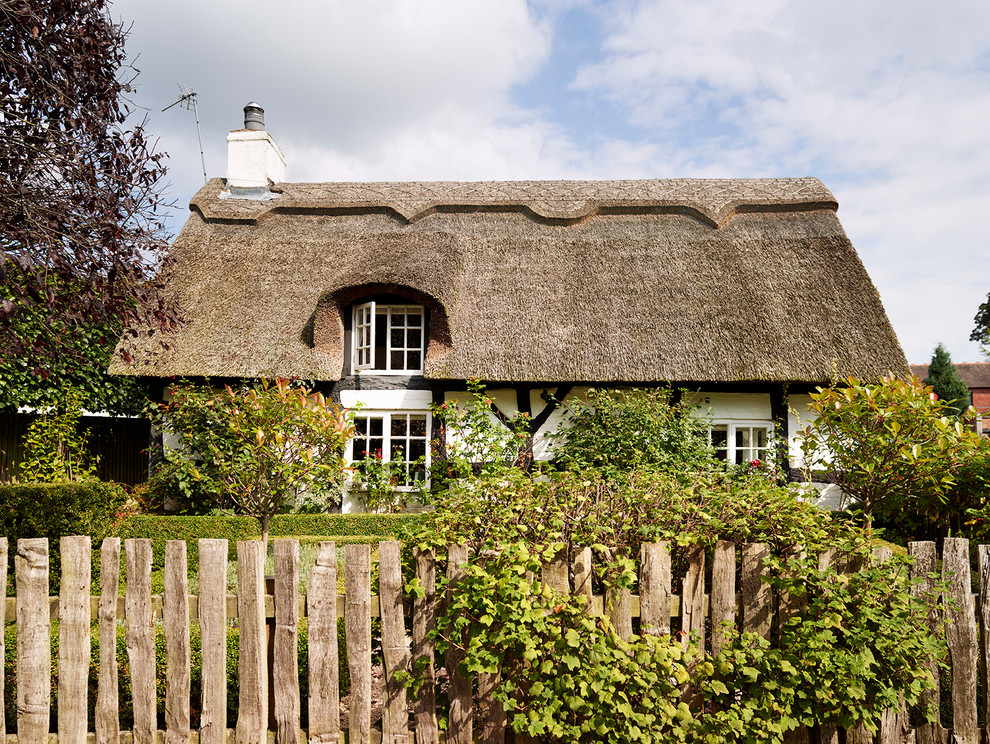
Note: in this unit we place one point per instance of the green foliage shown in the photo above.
(567, 676)
(617, 431)
(981, 327)
(55, 450)
(891, 446)
(81, 365)
(586, 509)
(160, 529)
(477, 442)
(57, 510)
(258, 450)
(855, 645)
(187, 492)
(944, 380)
(859, 645)
(382, 483)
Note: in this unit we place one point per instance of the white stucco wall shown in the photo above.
(717, 407)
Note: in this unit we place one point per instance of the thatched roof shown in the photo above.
(614, 281)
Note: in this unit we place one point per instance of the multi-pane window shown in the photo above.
(741, 443)
(393, 437)
(388, 338)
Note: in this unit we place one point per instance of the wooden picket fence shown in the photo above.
(751, 605)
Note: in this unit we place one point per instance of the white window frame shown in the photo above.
(731, 450)
(363, 337)
(386, 416)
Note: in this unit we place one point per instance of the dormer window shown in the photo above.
(388, 338)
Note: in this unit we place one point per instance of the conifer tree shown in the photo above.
(942, 376)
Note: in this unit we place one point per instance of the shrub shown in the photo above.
(160, 529)
(383, 525)
(617, 431)
(55, 449)
(55, 510)
(259, 449)
(893, 447)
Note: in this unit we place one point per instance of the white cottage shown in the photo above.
(393, 295)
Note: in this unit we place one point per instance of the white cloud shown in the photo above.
(888, 102)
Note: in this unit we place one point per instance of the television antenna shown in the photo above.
(188, 101)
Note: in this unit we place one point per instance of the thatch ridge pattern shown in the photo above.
(713, 200)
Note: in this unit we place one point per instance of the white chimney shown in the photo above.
(254, 161)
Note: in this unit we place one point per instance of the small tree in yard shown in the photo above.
(944, 379)
(261, 448)
(889, 446)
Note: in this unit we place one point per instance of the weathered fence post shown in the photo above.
(654, 588)
(252, 661)
(756, 595)
(107, 719)
(357, 619)
(693, 598)
(619, 602)
(395, 645)
(582, 576)
(3, 650)
(461, 725)
(73, 639)
(895, 726)
(921, 570)
(321, 609)
(140, 639)
(175, 616)
(285, 667)
(984, 552)
(424, 621)
(34, 650)
(212, 614)
(960, 633)
(722, 607)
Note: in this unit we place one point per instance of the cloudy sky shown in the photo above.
(886, 101)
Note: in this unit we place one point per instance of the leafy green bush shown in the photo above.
(55, 449)
(54, 510)
(616, 431)
(567, 676)
(858, 646)
(258, 449)
(853, 646)
(583, 508)
(895, 449)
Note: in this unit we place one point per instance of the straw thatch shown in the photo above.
(623, 281)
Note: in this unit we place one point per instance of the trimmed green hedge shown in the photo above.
(382, 525)
(191, 529)
(55, 510)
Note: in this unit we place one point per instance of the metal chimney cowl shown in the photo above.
(254, 162)
(254, 116)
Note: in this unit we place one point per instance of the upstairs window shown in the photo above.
(388, 339)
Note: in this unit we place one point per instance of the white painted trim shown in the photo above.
(733, 406)
(392, 400)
